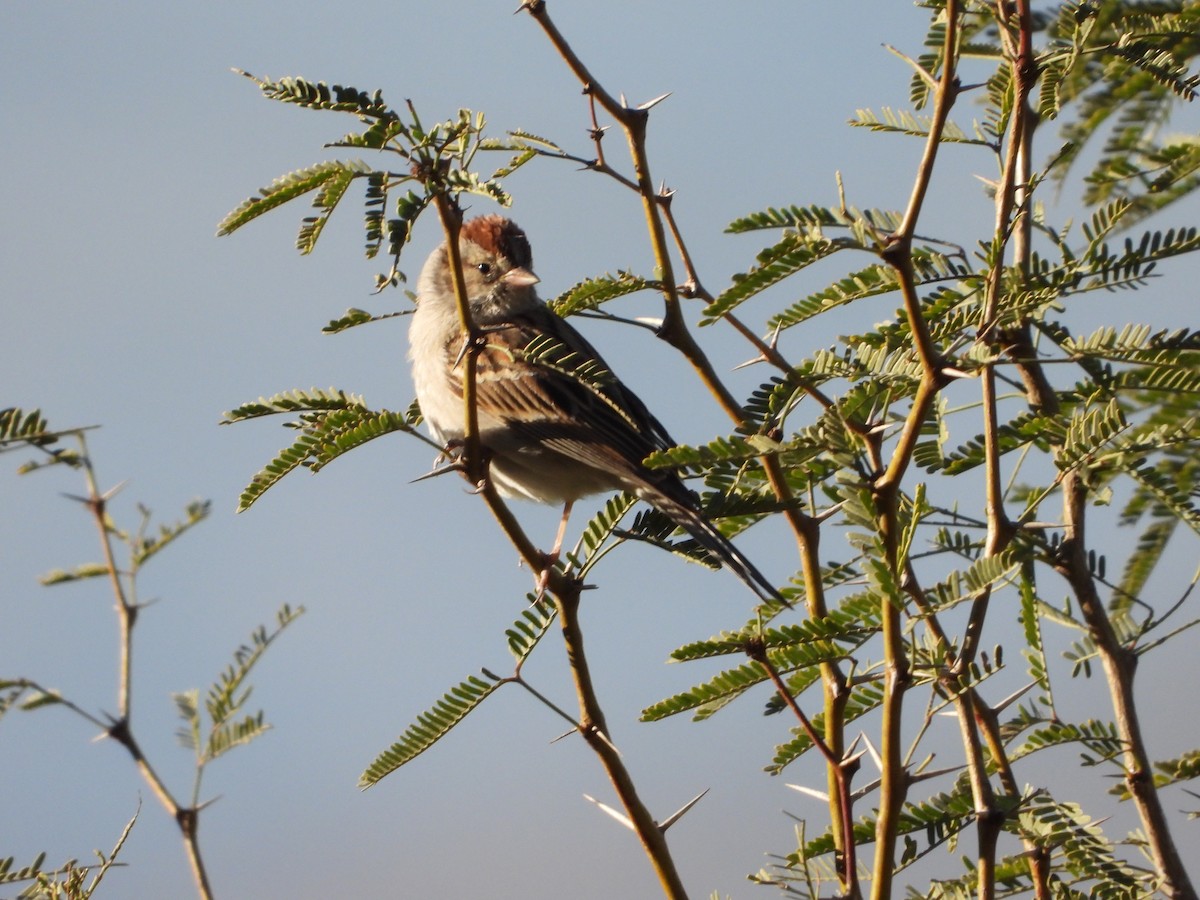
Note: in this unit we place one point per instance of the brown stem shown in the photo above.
(1118, 661)
(675, 332)
(121, 730)
(1038, 856)
(562, 588)
(1120, 665)
(988, 818)
(839, 771)
(894, 779)
(595, 732)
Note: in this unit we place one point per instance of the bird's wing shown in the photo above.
(540, 377)
(547, 384)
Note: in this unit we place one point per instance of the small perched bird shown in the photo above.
(557, 427)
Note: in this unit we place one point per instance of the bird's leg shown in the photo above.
(551, 559)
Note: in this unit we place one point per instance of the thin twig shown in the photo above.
(121, 729)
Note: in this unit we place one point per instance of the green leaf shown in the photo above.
(1034, 650)
(79, 573)
(144, 547)
(328, 196)
(187, 705)
(595, 292)
(336, 424)
(226, 695)
(1078, 843)
(906, 122)
(813, 217)
(42, 698)
(27, 873)
(722, 688)
(319, 95)
(966, 584)
(431, 726)
(593, 542)
(352, 318)
(793, 253)
(294, 401)
(1096, 736)
(228, 735)
(1089, 432)
(292, 185)
(526, 631)
(1168, 771)
(19, 426)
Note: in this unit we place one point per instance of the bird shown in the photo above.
(556, 424)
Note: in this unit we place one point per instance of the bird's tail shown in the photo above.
(689, 517)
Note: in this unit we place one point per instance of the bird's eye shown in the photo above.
(484, 269)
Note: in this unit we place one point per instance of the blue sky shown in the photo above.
(126, 139)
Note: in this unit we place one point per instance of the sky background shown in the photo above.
(125, 139)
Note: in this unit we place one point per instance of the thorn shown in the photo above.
(655, 322)
(625, 104)
(565, 734)
(207, 803)
(461, 352)
(114, 490)
(999, 707)
(619, 816)
(827, 514)
(678, 814)
(934, 773)
(811, 792)
(852, 762)
(951, 372)
(774, 342)
(874, 752)
(604, 737)
(750, 362)
(439, 468)
(925, 76)
(650, 104)
(865, 789)
(853, 745)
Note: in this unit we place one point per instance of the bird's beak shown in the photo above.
(519, 277)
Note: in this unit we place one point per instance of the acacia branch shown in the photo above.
(839, 770)
(564, 590)
(595, 732)
(121, 730)
(656, 207)
(886, 488)
(1120, 665)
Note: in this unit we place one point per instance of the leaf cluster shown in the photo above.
(428, 160)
